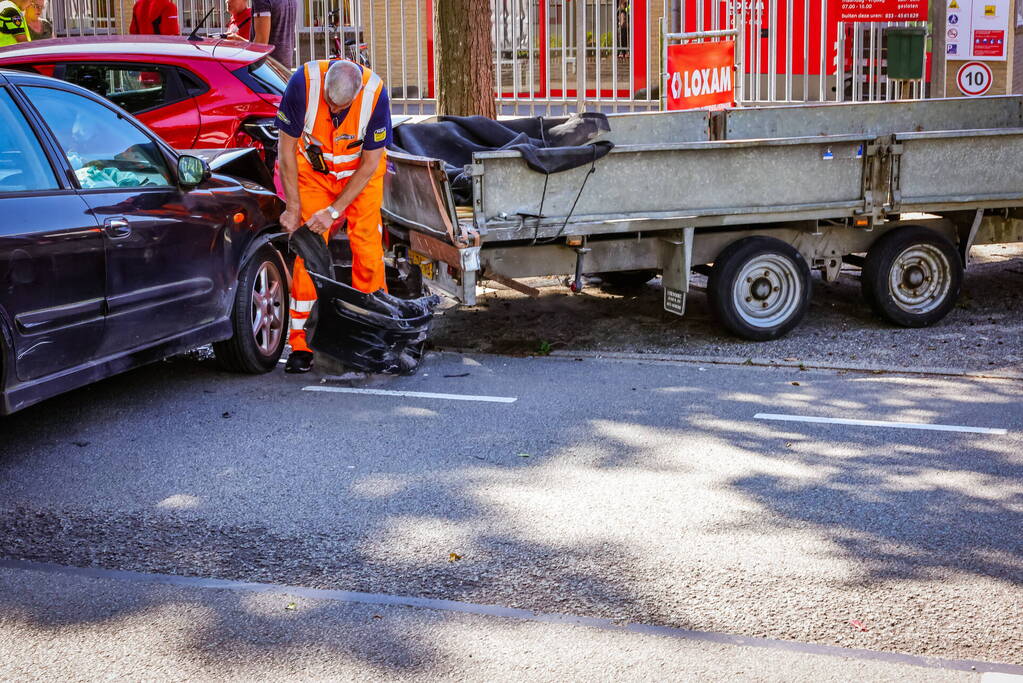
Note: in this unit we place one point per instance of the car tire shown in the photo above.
(259, 317)
(759, 288)
(912, 277)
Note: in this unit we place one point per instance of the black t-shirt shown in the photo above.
(282, 27)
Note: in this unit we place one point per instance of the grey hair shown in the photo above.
(343, 82)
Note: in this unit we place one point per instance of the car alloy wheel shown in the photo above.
(268, 308)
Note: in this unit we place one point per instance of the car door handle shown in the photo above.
(116, 228)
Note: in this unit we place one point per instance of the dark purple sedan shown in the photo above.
(116, 250)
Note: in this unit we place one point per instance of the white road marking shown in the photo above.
(879, 423)
(990, 677)
(412, 394)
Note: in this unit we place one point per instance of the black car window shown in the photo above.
(23, 165)
(193, 85)
(104, 149)
(267, 76)
(132, 87)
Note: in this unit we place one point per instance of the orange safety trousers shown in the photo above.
(365, 236)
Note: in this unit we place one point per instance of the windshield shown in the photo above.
(267, 76)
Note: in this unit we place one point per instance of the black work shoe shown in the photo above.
(299, 361)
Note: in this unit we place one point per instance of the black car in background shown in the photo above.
(116, 250)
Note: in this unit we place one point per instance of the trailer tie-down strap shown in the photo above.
(543, 197)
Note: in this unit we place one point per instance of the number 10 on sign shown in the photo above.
(974, 78)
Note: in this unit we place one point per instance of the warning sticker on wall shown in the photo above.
(989, 43)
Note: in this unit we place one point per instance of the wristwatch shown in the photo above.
(334, 213)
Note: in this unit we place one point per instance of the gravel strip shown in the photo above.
(984, 331)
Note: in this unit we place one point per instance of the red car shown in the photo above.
(194, 94)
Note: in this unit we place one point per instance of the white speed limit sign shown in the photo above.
(974, 78)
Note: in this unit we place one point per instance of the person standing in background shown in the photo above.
(38, 28)
(274, 24)
(155, 17)
(240, 27)
(622, 19)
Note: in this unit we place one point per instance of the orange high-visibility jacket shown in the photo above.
(342, 146)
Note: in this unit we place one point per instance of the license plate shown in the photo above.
(426, 265)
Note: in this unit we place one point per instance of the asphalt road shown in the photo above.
(639, 492)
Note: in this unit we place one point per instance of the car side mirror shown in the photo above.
(192, 171)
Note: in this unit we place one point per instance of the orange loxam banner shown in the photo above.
(701, 75)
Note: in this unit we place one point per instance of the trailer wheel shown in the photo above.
(759, 288)
(912, 277)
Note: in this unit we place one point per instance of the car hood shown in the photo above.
(240, 163)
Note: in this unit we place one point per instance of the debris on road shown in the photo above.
(379, 332)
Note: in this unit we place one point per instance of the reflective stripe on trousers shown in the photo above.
(364, 237)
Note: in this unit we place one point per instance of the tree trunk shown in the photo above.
(465, 58)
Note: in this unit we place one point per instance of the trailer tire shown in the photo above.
(759, 288)
(912, 277)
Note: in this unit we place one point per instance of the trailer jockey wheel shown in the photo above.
(912, 276)
(759, 288)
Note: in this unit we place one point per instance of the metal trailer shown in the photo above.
(752, 198)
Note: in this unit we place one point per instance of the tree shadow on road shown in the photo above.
(165, 436)
(679, 509)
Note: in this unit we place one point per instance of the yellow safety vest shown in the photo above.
(12, 24)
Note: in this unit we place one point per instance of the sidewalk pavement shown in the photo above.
(65, 624)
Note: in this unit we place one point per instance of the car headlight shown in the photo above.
(263, 130)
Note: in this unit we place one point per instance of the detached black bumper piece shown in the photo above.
(375, 333)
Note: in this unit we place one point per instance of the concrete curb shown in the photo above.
(869, 368)
(570, 620)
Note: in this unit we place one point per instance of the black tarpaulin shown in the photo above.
(546, 145)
